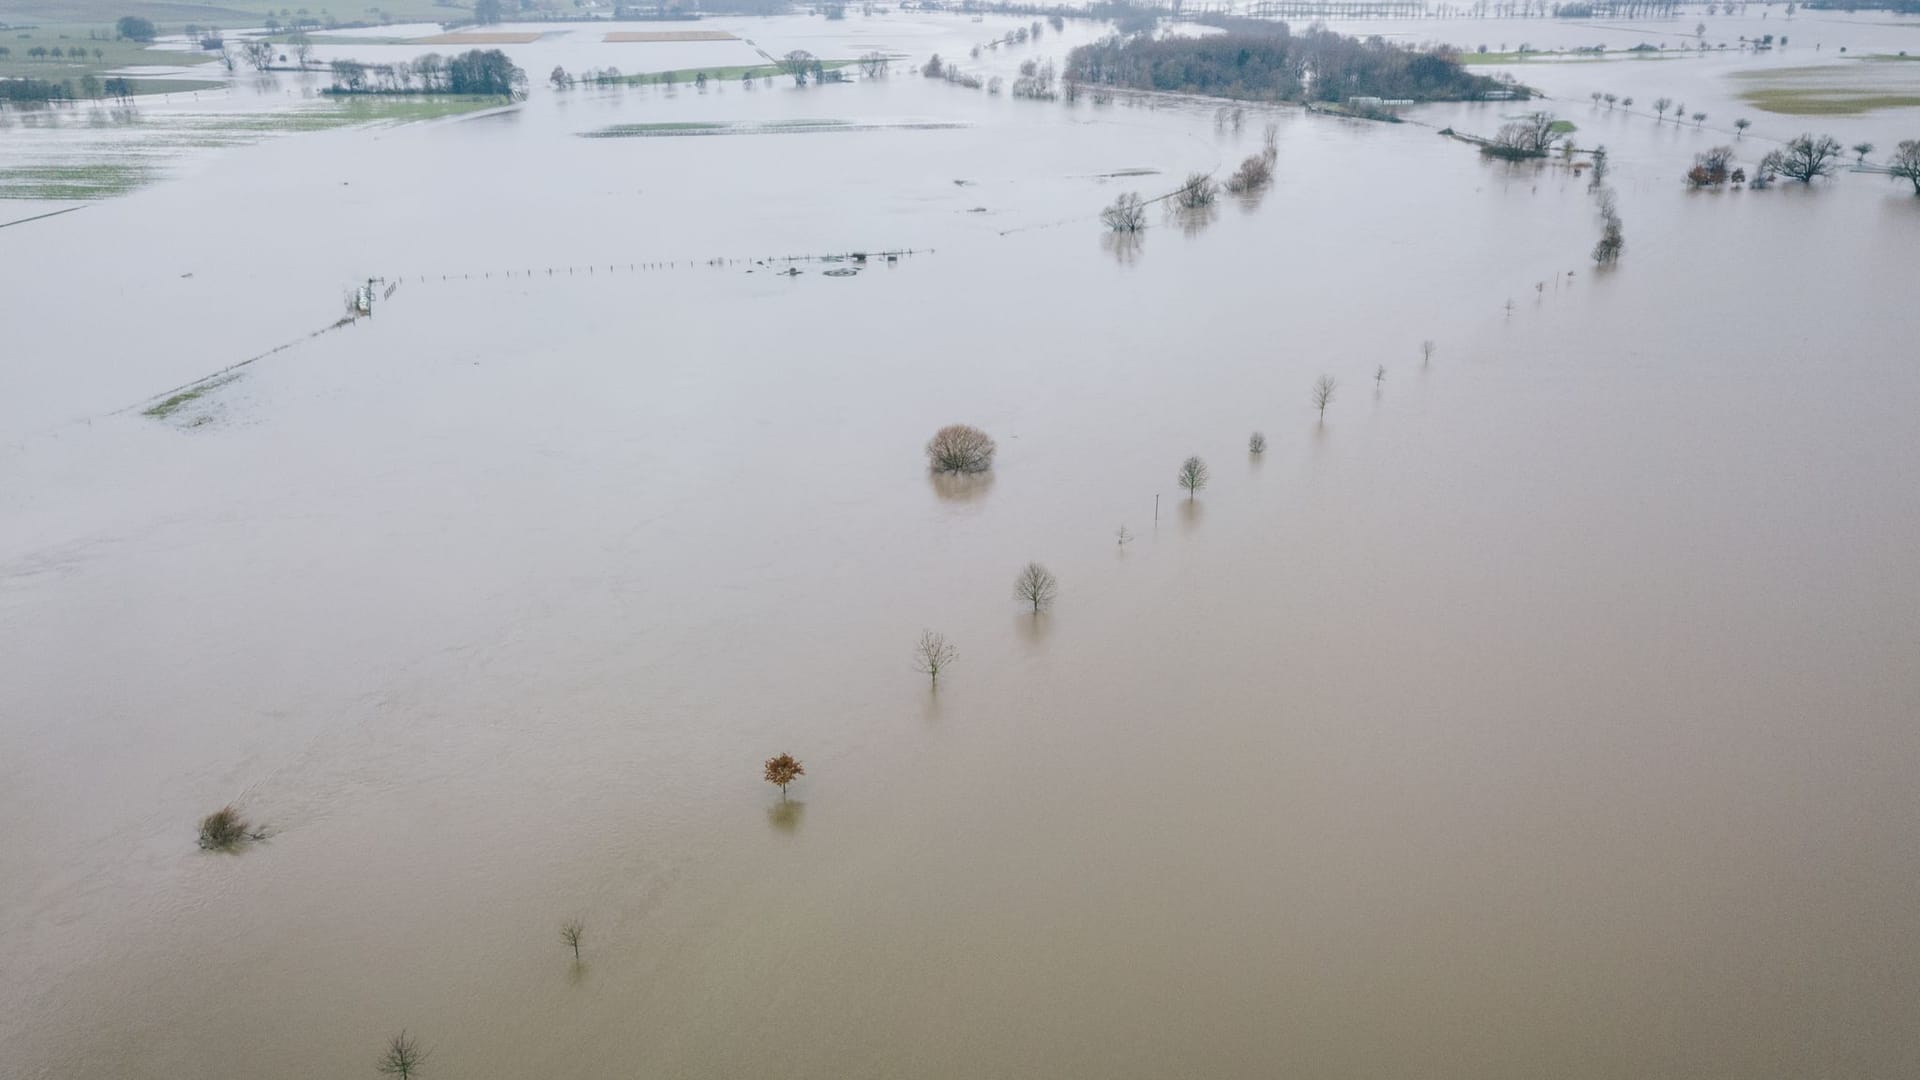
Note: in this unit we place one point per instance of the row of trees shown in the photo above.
(42, 52)
(481, 72)
(41, 91)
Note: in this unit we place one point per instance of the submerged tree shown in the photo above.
(798, 63)
(784, 770)
(1611, 243)
(1037, 586)
(960, 448)
(1127, 214)
(1906, 163)
(1193, 475)
(1324, 388)
(931, 654)
(258, 53)
(1257, 443)
(1862, 149)
(1808, 156)
(1661, 105)
(571, 932)
(403, 1057)
(1740, 127)
(1197, 192)
(1426, 352)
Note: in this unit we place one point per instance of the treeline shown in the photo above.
(38, 91)
(1899, 7)
(1262, 61)
(479, 71)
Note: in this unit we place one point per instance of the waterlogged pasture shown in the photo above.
(1543, 711)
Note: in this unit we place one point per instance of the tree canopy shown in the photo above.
(1267, 62)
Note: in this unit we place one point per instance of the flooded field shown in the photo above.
(1545, 710)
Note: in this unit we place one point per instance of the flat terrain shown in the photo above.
(1545, 709)
(99, 55)
(170, 17)
(481, 37)
(670, 35)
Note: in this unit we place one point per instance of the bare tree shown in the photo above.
(1122, 537)
(1699, 118)
(1740, 126)
(1037, 586)
(1426, 352)
(1862, 149)
(403, 1057)
(1528, 137)
(1253, 174)
(258, 53)
(784, 770)
(1257, 443)
(1809, 156)
(1612, 99)
(1323, 391)
(1197, 192)
(1193, 475)
(1128, 214)
(1661, 105)
(1379, 376)
(874, 64)
(571, 932)
(1612, 241)
(1906, 163)
(960, 448)
(302, 49)
(932, 654)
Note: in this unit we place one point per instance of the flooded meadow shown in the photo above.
(1544, 709)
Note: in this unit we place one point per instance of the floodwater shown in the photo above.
(1546, 711)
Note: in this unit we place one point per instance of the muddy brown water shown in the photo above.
(1549, 710)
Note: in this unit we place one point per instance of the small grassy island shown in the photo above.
(1255, 60)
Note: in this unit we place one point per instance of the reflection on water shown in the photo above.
(785, 815)
(1124, 247)
(960, 487)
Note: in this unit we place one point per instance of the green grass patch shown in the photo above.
(141, 144)
(1562, 127)
(171, 15)
(66, 182)
(113, 55)
(167, 407)
(1826, 101)
(1841, 89)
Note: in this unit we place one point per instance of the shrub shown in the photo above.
(225, 829)
(960, 448)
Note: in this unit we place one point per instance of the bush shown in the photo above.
(1253, 174)
(960, 448)
(1197, 193)
(225, 829)
(135, 28)
(1128, 214)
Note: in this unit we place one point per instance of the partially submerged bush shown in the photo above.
(1253, 174)
(1128, 214)
(226, 829)
(960, 448)
(1197, 192)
